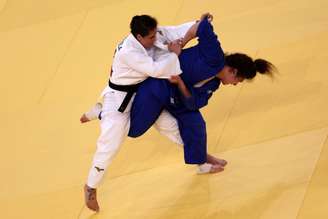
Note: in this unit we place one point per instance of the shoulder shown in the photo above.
(129, 46)
(213, 84)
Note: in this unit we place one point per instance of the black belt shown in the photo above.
(130, 89)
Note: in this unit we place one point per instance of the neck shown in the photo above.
(220, 74)
(139, 41)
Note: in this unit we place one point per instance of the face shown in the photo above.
(229, 76)
(148, 40)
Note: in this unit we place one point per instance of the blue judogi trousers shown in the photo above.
(152, 97)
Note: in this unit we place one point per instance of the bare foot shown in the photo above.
(90, 195)
(216, 161)
(84, 119)
(216, 168)
(92, 114)
(209, 168)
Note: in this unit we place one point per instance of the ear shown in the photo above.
(233, 71)
(139, 37)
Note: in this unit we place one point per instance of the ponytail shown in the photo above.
(246, 67)
(264, 67)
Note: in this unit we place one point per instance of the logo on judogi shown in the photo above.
(99, 169)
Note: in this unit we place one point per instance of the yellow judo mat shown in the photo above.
(55, 58)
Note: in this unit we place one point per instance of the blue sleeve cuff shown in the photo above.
(205, 29)
(189, 103)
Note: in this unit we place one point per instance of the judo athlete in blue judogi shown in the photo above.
(204, 67)
(200, 65)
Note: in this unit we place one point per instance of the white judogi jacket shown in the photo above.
(132, 63)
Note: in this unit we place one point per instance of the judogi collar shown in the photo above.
(133, 44)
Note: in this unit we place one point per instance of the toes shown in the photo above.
(84, 119)
(93, 208)
(223, 162)
(219, 161)
(216, 169)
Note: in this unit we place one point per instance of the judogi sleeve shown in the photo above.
(165, 67)
(175, 32)
(200, 96)
(210, 47)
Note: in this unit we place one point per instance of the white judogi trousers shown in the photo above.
(114, 127)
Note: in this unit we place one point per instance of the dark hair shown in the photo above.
(246, 67)
(142, 24)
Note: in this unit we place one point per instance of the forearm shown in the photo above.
(191, 33)
(166, 65)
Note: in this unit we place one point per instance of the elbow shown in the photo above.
(199, 106)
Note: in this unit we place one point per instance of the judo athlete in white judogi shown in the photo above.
(144, 53)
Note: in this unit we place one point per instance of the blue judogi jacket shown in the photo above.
(198, 99)
(199, 63)
(204, 60)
